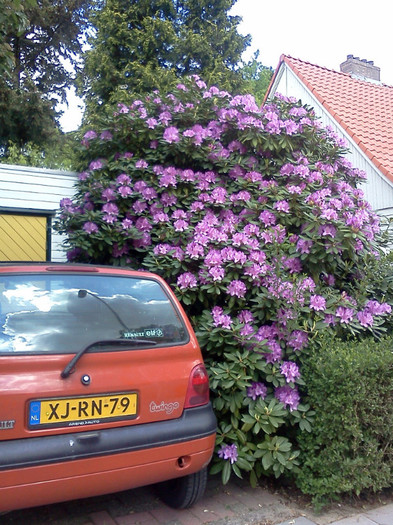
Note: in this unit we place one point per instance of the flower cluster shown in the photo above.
(228, 452)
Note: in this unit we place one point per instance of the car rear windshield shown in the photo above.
(62, 313)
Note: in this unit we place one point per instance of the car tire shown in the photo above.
(182, 493)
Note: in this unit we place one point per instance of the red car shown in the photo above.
(102, 387)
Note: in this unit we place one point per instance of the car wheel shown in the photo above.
(182, 493)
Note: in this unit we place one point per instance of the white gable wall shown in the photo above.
(378, 189)
(32, 190)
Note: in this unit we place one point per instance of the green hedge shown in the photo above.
(350, 446)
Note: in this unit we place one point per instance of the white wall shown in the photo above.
(36, 189)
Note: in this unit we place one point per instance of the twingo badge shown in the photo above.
(5, 425)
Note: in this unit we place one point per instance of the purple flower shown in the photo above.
(123, 178)
(268, 218)
(218, 195)
(124, 191)
(106, 135)
(110, 208)
(330, 319)
(303, 246)
(365, 318)
(221, 319)
(237, 288)
(317, 302)
(345, 314)
(194, 250)
(282, 206)
(217, 273)
(247, 330)
(290, 371)
(96, 164)
(141, 164)
(144, 241)
(288, 396)
(171, 134)
(160, 216)
(151, 123)
(275, 353)
(327, 230)
(67, 204)
(108, 194)
(89, 135)
(168, 200)
(90, 227)
(143, 225)
(257, 390)
(180, 225)
(110, 219)
(245, 316)
(376, 308)
(228, 452)
(187, 280)
(167, 179)
(126, 224)
(139, 206)
(298, 340)
(149, 193)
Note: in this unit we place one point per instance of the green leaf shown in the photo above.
(267, 460)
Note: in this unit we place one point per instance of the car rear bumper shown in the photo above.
(119, 459)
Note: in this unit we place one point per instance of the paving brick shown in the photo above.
(101, 518)
(187, 518)
(218, 509)
(138, 518)
(203, 513)
(165, 515)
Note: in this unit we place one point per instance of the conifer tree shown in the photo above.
(42, 45)
(143, 45)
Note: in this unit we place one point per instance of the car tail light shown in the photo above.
(198, 387)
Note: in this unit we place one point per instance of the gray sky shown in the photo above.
(320, 32)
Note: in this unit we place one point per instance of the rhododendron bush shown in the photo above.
(254, 217)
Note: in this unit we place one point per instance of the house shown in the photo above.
(357, 106)
(29, 201)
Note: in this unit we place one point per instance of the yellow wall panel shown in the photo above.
(22, 238)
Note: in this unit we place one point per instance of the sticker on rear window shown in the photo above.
(150, 332)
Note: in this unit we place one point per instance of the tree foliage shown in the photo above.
(13, 20)
(42, 56)
(253, 216)
(142, 45)
(256, 78)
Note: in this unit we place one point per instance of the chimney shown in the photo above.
(361, 68)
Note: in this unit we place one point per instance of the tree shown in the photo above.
(13, 20)
(142, 45)
(256, 78)
(254, 217)
(44, 56)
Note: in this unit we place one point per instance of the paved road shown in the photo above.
(235, 504)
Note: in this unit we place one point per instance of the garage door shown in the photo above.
(23, 237)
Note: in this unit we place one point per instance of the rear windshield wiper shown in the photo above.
(106, 342)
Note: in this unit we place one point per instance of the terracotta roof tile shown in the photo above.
(364, 109)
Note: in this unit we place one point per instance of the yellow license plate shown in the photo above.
(79, 411)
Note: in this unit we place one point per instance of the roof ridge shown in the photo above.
(288, 60)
